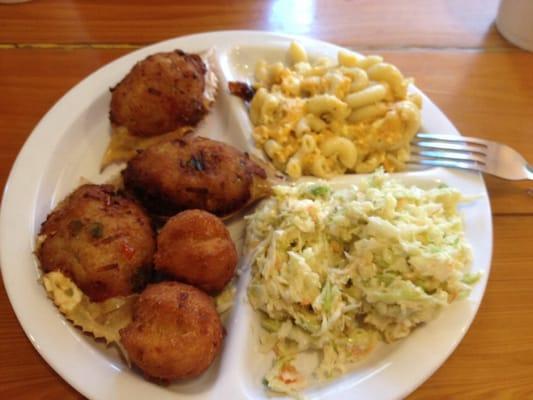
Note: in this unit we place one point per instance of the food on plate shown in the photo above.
(101, 319)
(242, 90)
(197, 173)
(162, 98)
(195, 247)
(320, 118)
(97, 247)
(123, 145)
(176, 332)
(163, 92)
(225, 300)
(100, 239)
(335, 270)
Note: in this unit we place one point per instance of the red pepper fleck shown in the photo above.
(127, 250)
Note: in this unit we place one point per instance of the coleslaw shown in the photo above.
(336, 271)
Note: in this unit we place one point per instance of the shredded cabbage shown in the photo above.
(335, 271)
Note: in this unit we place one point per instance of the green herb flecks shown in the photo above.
(96, 230)
(319, 190)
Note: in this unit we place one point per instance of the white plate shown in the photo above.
(69, 142)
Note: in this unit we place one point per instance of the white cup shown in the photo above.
(515, 22)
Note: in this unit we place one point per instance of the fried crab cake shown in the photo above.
(176, 332)
(195, 247)
(195, 173)
(103, 241)
(160, 94)
(162, 98)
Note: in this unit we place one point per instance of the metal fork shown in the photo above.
(470, 153)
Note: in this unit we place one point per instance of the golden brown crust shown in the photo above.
(195, 247)
(100, 239)
(161, 93)
(242, 89)
(176, 332)
(192, 173)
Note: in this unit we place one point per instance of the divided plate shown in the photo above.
(68, 144)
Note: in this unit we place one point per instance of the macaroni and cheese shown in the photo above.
(317, 118)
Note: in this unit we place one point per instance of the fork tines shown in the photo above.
(448, 151)
(470, 153)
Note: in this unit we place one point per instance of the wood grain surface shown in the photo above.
(367, 23)
(451, 48)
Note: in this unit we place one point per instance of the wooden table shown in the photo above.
(483, 84)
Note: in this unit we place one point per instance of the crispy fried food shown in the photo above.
(195, 173)
(242, 89)
(100, 239)
(176, 332)
(160, 99)
(195, 247)
(161, 93)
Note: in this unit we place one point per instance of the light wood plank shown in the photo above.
(361, 23)
(31, 81)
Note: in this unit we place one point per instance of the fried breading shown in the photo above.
(176, 332)
(100, 239)
(193, 173)
(161, 93)
(195, 247)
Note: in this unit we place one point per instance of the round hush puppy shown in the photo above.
(175, 333)
(195, 247)
(161, 93)
(103, 241)
(193, 173)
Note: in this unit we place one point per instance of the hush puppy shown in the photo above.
(175, 333)
(195, 247)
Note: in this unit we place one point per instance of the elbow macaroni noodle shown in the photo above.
(316, 118)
